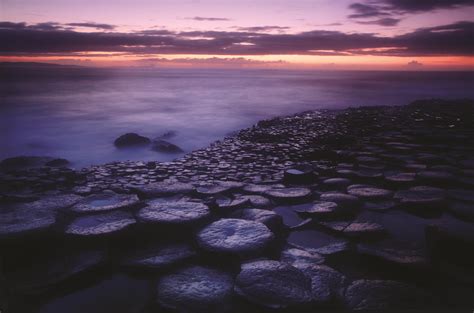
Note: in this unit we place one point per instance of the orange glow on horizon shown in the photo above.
(105, 59)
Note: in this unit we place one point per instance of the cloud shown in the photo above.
(414, 63)
(365, 10)
(211, 19)
(23, 39)
(387, 8)
(12, 25)
(93, 25)
(214, 61)
(263, 28)
(387, 21)
(411, 6)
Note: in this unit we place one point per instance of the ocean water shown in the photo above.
(77, 113)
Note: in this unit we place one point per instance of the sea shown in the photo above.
(76, 113)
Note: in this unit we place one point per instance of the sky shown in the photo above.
(296, 34)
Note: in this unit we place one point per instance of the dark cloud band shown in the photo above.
(23, 39)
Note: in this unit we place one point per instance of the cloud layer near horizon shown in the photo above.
(389, 12)
(21, 39)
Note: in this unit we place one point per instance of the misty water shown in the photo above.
(77, 113)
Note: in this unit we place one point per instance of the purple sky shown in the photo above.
(436, 33)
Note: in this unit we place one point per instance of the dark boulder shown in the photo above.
(58, 163)
(161, 145)
(131, 139)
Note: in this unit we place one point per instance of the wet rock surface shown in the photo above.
(196, 289)
(179, 212)
(106, 201)
(382, 295)
(235, 236)
(273, 284)
(100, 224)
(346, 210)
(158, 257)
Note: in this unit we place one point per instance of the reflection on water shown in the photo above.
(77, 113)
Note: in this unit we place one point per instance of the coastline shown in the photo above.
(301, 136)
(388, 187)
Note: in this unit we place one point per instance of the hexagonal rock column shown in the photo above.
(159, 257)
(381, 295)
(234, 236)
(299, 176)
(267, 217)
(370, 193)
(100, 224)
(179, 212)
(26, 218)
(273, 284)
(107, 201)
(195, 289)
(289, 195)
(164, 188)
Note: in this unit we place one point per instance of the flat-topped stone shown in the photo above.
(273, 284)
(337, 183)
(259, 189)
(299, 257)
(229, 204)
(319, 209)
(382, 295)
(196, 289)
(326, 283)
(217, 188)
(106, 201)
(164, 188)
(25, 218)
(257, 201)
(421, 197)
(158, 257)
(370, 193)
(299, 176)
(178, 212)
(408, 257)
(342, 199)
(100, 224)
(267, 217)
(234, 236)
(288, 194)
(359, 229)
(401, 179)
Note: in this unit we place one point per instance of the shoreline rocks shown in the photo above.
(329, 209)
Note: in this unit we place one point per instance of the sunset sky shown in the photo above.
(300, 34)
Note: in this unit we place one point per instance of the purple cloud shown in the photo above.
(452, 39)
(212, 19)
(93, 25)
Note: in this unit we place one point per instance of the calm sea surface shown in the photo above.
(76, 113)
